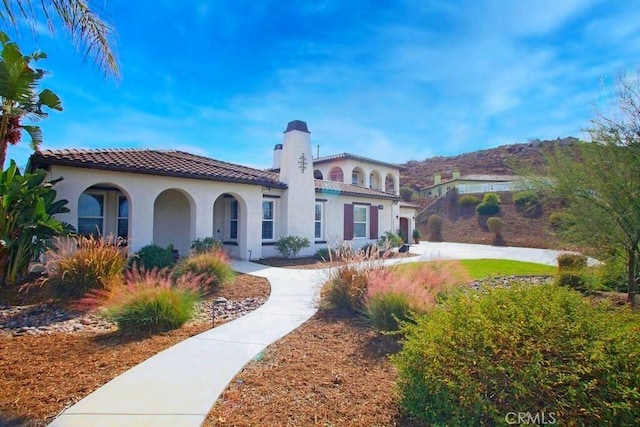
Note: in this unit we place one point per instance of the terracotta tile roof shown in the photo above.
(157, 162)
(348, 156)
(339, 188)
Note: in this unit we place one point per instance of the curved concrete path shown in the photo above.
(178, 386)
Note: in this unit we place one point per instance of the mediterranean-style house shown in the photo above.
(472, 184)
(173, 197)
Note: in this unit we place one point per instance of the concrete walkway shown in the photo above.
(178, 386)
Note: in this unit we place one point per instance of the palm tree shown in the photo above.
(19, 96)
(88, 31)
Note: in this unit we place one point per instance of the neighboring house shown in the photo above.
(470, 184)
(172, 197)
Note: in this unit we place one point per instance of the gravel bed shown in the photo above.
(48, 318)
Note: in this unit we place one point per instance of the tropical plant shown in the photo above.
(88, 31)
(27, 208)
(19, 96)
(81, 264)
(290, 246)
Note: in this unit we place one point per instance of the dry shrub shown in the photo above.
(434, 225)
(213, 265)
(345, 287)
(393, 294)
(78, 265)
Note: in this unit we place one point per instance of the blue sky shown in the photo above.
(391, 80)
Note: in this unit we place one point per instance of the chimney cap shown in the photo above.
(277, 147)
(297, 125)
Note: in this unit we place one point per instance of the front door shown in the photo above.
(404, 229)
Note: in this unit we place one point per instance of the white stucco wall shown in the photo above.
(143, 190)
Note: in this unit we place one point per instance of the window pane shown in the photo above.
(123, 207)
(359, 214)
(360, 230)
(318, 212)
(318, 230)
(267, 229)
(267, 210)
(123, 228)
(354, 178)
(88, 226)
(233, 229)
(90, 204)
(234, 209)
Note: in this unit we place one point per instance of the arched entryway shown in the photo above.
(230, 223)
(172, 221)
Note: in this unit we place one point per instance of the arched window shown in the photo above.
(336, 175)
(317, 174)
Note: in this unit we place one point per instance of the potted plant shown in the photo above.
(416, 236)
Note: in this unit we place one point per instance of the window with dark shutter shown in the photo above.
(373, 222)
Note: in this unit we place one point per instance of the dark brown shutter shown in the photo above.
(348, 222)
(373, 222)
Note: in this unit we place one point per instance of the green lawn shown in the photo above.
(483, 268)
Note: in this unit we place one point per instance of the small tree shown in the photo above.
(434, 225)
(290, 246)
(407, 194)
(496, 226)
(599, 180)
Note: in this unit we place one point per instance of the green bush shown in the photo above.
(390, 240)
(526, 201)
(434, 226)
(490, 205)
(325, 254)
(496, 225)
(561, 221)
(151, 303)
(213, 265)
(482, 355)
(468, 201)
(79, 265)
(290, 246)
(205, 244)
(572, 262)
(154, 256)
(385, 309)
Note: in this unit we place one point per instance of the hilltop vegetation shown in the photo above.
(494, 161)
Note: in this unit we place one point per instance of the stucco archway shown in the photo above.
(172, 220)
(375, 180)
(230, 223)
(390, 184)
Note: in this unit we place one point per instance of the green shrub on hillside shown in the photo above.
(482, 355)
(526, 201)
(434, 225)
(468, 201)
(490, 205)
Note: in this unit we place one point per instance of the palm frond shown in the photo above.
(36, 136)
(88, 31)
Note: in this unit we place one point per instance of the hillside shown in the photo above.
(494, 161)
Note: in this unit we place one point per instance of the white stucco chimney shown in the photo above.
(296, 170)
(277, 155)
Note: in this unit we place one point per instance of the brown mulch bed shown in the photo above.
(41, 375)
(330, 372)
